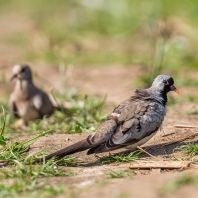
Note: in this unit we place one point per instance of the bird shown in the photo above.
(132, 123)
(27, 101)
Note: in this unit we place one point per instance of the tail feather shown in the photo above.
(74, 148)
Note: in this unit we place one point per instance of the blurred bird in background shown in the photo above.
(27, 101)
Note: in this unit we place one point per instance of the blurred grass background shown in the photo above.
(160, 36)
(85, 32)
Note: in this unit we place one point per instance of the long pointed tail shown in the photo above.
(74, 148)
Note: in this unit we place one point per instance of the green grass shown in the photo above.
(21, 178)
(158, 38)
(193, 112)
(69, 161)
(117, 174)
(19, 187)
(24, 177)
(181, 181)
(190, 149)
(15, 150)
(188, 82)
(132, 156)
(192, 98)
(2, 138)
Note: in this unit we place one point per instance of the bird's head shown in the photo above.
(21, 72)
(164, 84)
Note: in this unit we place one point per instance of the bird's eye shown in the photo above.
(22, 70)
(165, 82)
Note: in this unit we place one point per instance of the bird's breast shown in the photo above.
(27, 111)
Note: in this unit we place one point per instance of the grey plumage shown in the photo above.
(130, 124)
(27, 101)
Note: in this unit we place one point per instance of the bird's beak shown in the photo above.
(173, 88)
(14, 76)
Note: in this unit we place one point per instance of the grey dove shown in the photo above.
(131, 124)
(27, 101)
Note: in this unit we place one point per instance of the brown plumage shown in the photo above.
(27, 101)
(131, 124)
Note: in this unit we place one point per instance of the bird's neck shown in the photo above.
(160, 96)
(24, 86)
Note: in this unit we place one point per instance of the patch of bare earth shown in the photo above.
(116, 82)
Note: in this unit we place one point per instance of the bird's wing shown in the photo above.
(137, 120)
(42, 103)
(13, 106)
(117, 121)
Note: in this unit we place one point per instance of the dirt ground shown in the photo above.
(117, 83)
